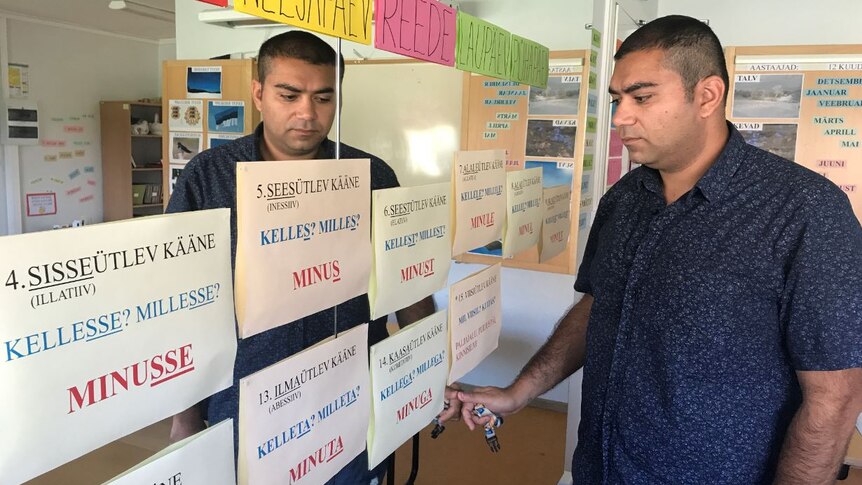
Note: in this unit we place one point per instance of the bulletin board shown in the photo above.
(538, 128)
(204, 102)
(803, 103)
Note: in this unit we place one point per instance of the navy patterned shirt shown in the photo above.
(704, 310)
(209, 182)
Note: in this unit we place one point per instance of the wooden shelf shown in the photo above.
(119, 149)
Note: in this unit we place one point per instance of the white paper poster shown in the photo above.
(304, 418)
(184, 146)
(524, 217)
(557, 223)
(203, 459)
(475, 318)
(226, 116)
(480, 198)
(304, 239)
(185, 114)
(109, 328)
(408, 379)
(412, 245)
(203, 82)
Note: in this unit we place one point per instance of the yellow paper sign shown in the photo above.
(350, 20)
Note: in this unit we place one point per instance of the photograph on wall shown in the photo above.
(184, 146)
(185, 114)
(559, 98)
(550, 139)
(553, 173)
(767, 95)
(176, 171)
(776, 138)
(203, 82)
(226, 116)
(218, 139)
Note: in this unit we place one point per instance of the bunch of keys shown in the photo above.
(438, 425)
(490, 435)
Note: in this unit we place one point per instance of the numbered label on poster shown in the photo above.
(475, 316)
(109, 328)
(480, 198)
(408, 379)
(412, 242)
(304, 239)
(524, 217)
(306, 417)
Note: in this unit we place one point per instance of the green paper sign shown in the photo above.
(529, 62)
(482, 47)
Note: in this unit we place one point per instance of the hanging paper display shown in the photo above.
(412, 245)
(118, 326)
(304, 239)
(304, 418)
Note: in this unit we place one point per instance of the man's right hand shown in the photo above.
(501, 402)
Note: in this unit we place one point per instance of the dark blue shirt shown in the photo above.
(704, 310)
(209, 182)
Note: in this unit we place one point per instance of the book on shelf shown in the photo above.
(138, 193)
(153, 194)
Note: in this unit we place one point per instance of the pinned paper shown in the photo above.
(422, 29)
(306, 417)
(475, 319)
(524, 218)
(557, 222)
(184, 145)
(408, 379)
(412, 242)
(529, 62)
(304, 240)
(185, 114)
(482, 47)
(93, 349)
(203, 82)
(480, 198)
(226, 116)
(205, 458)
(348, 20)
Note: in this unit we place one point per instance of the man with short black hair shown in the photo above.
(295, 94)
(720, 330)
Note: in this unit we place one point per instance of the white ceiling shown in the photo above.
(95, 14)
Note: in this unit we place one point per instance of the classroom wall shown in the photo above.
(775, 22)
(71, 70)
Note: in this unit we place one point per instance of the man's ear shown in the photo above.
(257, 93)
(709, 95)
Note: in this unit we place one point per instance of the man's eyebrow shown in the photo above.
(634, 87)
(295, 89)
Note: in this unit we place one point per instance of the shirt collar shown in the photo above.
(326, 151)
(714, 182)
(718, 177)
